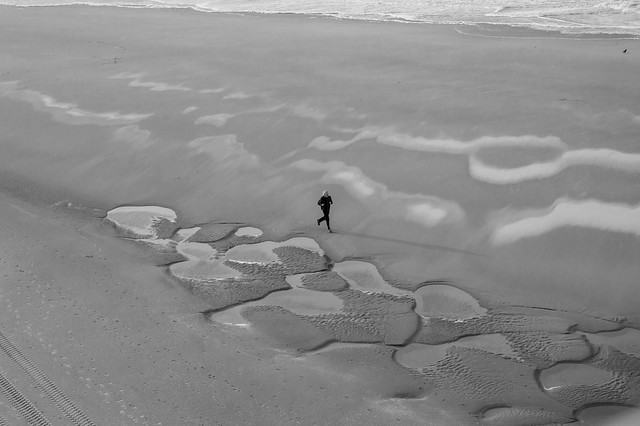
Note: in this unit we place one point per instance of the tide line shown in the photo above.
(605, 158)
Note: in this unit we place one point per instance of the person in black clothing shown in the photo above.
(325, 204)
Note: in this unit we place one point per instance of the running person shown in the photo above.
(325, 204)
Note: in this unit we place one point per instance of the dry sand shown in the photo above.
(160, 261)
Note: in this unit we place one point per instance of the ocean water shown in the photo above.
(566, 16)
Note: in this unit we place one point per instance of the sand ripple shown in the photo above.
(417, 355)
(516, 366)
(141, 221)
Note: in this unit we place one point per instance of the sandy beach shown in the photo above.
(159, 253)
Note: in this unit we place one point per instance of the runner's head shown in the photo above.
(325, 193)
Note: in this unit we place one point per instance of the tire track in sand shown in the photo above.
(45, 384)
(27, 410)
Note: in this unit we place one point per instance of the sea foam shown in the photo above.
(66, 112)
(572, 16)
(593, 214)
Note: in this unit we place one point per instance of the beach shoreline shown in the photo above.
(474, 181)
(527, 25)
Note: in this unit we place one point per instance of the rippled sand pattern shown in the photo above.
(324, 281)
(213, 232)
(547, 349)
(298, 301)
(509, 366)
(442, 330)
(418, 355)
(478, 379)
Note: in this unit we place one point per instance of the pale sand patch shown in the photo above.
(196, 251)
(297, 300)
(239, 95)
(135, 136)
(364, 276)
(574, 374)
(140, 220)
(417, 355)
(136, 81)
(116, 339)
(263, 252)
(185, 233)
(295, 281)
(205, 264)
(203, 261)
(200, 270)
(248, 231)
(217, 120)
(445, 301)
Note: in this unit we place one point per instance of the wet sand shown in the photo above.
(161, 262)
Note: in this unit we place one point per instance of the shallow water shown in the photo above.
(418, 356)
(405, 152)
(445, 301)
(573, 374)
(609, 415)
(365, 277)
(574, 17)
(626, 340)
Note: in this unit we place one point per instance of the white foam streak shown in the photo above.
(240, 95)
(217, 120)
(479, 170)
(136, 81)
(67, 113)
(140, 220)
(391, 137)
(593, 214)
(605, 158)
